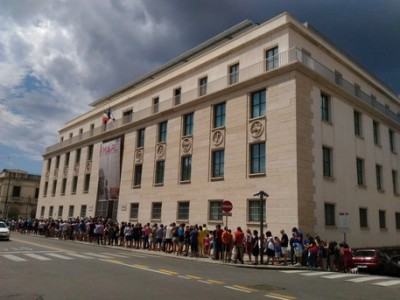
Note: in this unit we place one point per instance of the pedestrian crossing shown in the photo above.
(382, 281)
(25, 256)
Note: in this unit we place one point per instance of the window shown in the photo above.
(203, 86)
(42, 211)
(92, 127)
(382, 219)
(257, 158)
(217, 163)
(254, 210)
(327, 161)
(357, 90)
(83, 211)
(90, 153)
(186, 168)
(234, 73)
(60, 211)
(219, 115)
(46, 186)
(338, 77)
(140, 138)
(127, 116)
(395, 182)
(137, 178)
(377, 138)
(162, 132)
(177, 96)
(63, 186)
(70, 211)
(53, 190)
(36, 193)
(78, 156)
(156, 210)
(66, 162)
(61, 139)
(57, 161)
(16, 192)
(360, 172)
(86, 184)
(183, 211)
(378, 171)
(325, 107)
(329, 214)
(71, 135)
(80, 131)
(363, 217)
(156, 101)
(357, 123)
(48, 164)
(51, 208)
(258, 104)
(215, 210)
(188, 124)
(74, 184)
(272, 59)
(392, 141)
(159, 178)
(134, 211)
(397, 220)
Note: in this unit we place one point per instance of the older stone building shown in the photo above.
(269, 106)
(19, 192)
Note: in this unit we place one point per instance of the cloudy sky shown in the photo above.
(58, 56)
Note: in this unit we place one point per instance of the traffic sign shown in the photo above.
(227, 206)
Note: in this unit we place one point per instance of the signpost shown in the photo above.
(263, 197)
(227, 210)
(344, 222)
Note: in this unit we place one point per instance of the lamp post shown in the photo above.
(263, 196)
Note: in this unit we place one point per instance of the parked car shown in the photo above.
(4, 232)
(370, 260)
(392, 267)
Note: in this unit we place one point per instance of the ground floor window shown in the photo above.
(156, 211)
(134, 211)
(42, 211)
(382, 219)
(50, 211)
(254, 210)
(71, 211)
(363, 218)
(183, 210)
(397, 217)
(83, 211)
(60, 211)
(215, 210)
(330, 214)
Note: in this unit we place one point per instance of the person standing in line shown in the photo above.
(284, 246)
(255, 242)
(239, 242)
(249, 247)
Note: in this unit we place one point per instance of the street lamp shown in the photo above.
(262, 194)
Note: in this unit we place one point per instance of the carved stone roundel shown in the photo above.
(186, 145)
(256, 129)
(160, 150)
(139, 155)
(218, 138)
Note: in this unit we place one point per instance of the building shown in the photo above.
(19, 192)
(271, 106)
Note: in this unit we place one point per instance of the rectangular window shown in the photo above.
(90, 153)
(219, 115)
(60, 211)
(57, 161)
(140, 138)
(156, 103)
(378, 171)
(156, 210)
(254, 210)
(272, 59)
(80, 131)
(162, 132)
(63, 186)
(329, 214)
(258, 100)
(78, 156)
(83, 211)
(327, 161)
(51, 211)
(257, 158)
(215, 210)
(137, 178)
(392, 141)
(338, 78)
(134, 211)
(127, 116)
(92, 128)
(42, 211)
(203, 86)
(36, 193)
(363, 218)
(357, 123)
(325, 107)
(53, 190)
(183, 211)
(397, 219)
(217, 163)
(377, 138)
(382, 219)
(66, 161)
(186, 168)
(234, 73)
(71, 135)
(357, 90)
(16, 192)
(159, 178)
(48, 164)
(360, 172)
(74, 184)
(395, 182)
(86, 184)
(177, 96)
(71, 211)
(46, 187)
(188, 124)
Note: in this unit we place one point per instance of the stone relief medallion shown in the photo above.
(256, 129)
(160, 151)
(88, 166)
(218, 137)
(139, 155)
(186, 145)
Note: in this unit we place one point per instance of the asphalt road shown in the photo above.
(39, 268)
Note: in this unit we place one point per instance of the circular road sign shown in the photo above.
(227, 206)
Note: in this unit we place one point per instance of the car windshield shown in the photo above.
(2, 225)
(364, 253)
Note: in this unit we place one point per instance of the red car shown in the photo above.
(369, 260)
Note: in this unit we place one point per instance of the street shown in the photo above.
(39, 268)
